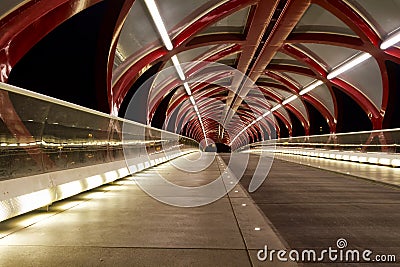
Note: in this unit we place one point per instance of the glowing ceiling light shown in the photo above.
(311, 87)
(396, 162)
(390, 41)
(187, 88)
(363, 159)
(155, 14)
(290, 99)
(384, 161)
(373, 160)
(266, 113)
(351, 63)
(192, 100)
(178, 68)
(276, 107)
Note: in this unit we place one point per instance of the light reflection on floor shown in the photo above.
(371, 172)
(25, 220)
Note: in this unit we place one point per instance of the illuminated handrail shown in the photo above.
(41, 134)
(21, 91)
(386, 138)
(380, 147)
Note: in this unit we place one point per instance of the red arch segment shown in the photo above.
(24, 27)
(372, 112)
(354, 93)
(210, 18)
(352, 18)
(131, 72)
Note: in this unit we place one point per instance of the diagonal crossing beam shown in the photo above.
(289, 17)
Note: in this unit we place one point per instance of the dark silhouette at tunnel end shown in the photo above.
(219, 148)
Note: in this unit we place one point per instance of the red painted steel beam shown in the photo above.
(26, 26)
(291, 108)
(261, 17)
(291, 15)
(352, 18)
(130, 71)
(289, 84)
(114, 18)
(174, 82)
(323, 110)
(17, 128)
(165, 90)
(366, 104)
(309, 98)
(371, 39)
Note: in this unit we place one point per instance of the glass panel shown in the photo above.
(283, 93)
(20, 137)
(368, 79)
(67, 131)
(385, 13)
(280, 55)
(266, 79)
(7, 6)
(138, 35)
(330, 54)
(229, 60)
(376, 147)
(234, 23)
(317, 19)
(169, 73)
(283, 111)
(300, 79)
(282, 58)
(298, 104)
(287, 62)
(194, 54)
(39, 135)
(165, 76)
(323, 94)
(177, 14)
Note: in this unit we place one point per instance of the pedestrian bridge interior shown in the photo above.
(197, 132)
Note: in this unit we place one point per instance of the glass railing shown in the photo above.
(374, 147)
(7, 6)
(39, 134)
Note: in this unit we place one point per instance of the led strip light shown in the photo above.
(390, 160)
(155, 14)
(347, 65)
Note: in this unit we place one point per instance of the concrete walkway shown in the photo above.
(312, 208)
(120, 225)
